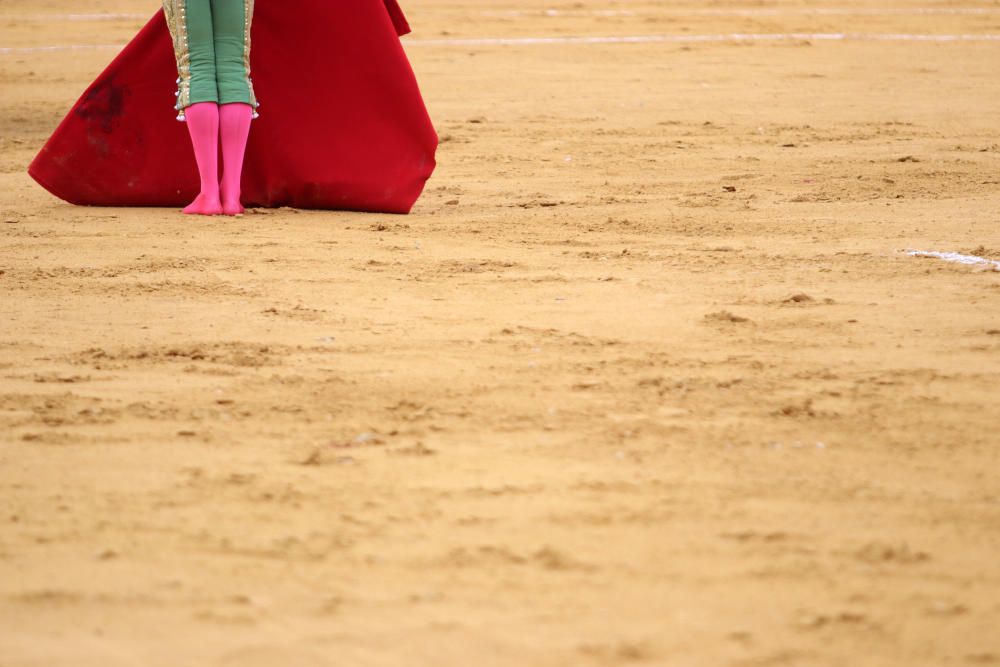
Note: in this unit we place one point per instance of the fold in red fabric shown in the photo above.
(398, 19)
(342, 123)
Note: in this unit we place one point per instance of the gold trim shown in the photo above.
(247, 23)
(175, 12)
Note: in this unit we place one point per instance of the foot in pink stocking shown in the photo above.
(203, 126)
(234, 128)
(233, 207)
(204, 205)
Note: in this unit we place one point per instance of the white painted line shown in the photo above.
(972, 260)
(57, 49)
(733, 37)
(624, 39)
(521, 13)
(76, 17)
(735, 11)
(608, 13)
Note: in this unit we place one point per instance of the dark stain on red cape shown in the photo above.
(342, 122)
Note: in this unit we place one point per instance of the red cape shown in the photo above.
(342, 124)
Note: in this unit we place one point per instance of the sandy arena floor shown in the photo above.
(646, 378)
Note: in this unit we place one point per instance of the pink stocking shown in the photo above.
(234, 123)
(203, 126)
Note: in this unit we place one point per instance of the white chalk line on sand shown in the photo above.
(736, 11)
(60, 48)
(731, 37)
(957, 257)
(106, 16)
(622, 39)
(609, 13)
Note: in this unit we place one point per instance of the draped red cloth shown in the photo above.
(342, 124)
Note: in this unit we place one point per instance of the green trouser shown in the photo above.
(212, 46)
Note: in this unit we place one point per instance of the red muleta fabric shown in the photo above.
(342, 124)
